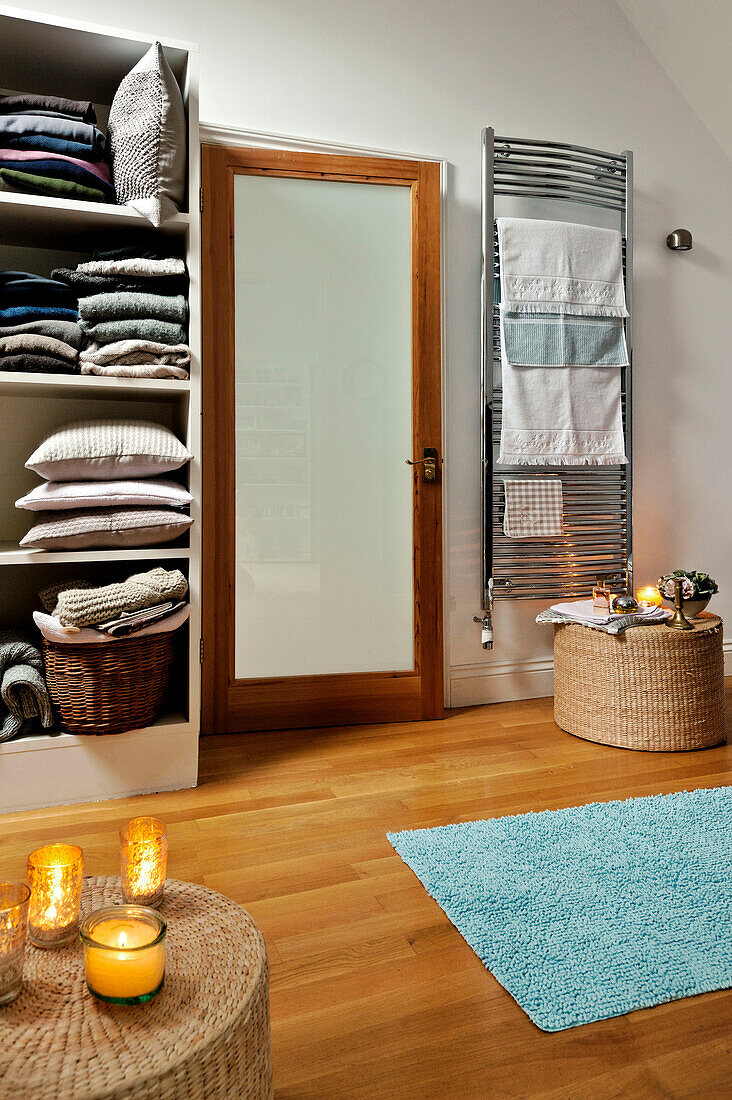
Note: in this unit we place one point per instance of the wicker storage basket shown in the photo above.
(108, 687)
(648, 688)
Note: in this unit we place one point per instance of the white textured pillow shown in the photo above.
(106, 527)
(147, 139)
(56, 496)
(108, 450)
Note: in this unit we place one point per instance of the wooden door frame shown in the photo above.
(300, 700)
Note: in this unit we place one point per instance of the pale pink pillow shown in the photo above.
(53, 496)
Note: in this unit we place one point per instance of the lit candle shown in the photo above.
(648, 596)
(14, 898)
(143, 861)
(54, 878)
(124, 953)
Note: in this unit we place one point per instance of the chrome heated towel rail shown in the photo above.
(597, 537)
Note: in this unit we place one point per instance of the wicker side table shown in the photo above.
(204, 1037)
(649, 688)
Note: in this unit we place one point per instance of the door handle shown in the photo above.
(428, 462)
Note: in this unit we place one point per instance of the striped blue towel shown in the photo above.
(563, 340)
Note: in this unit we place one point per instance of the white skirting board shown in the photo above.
(507, 681)
(61, 769)
(501, 682)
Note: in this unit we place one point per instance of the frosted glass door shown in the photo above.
(323, 389)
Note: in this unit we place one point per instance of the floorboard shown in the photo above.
(374, 994)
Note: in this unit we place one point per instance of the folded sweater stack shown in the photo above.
(39, 328)
(133, 311)
(51, 146)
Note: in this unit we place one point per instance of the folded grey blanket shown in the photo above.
(123, 304)
(82, 284)
(36, 342)
(77, 604)
(66, 331)
(144, 328)
(31, 362)
(139, 265)
(27, 127)
(137, 359)
(28, 103)
(24, 701)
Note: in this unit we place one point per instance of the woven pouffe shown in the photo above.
(648, 688)
(204, 1037)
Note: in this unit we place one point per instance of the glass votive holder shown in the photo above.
(54, 877)
(124, 954)
(143, 849)
(648, 596)
(14, 897)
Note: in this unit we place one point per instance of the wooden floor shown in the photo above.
(374, 994)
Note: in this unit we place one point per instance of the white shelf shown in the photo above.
(89, 385)
(34, 772)
(57, 739)
(12, 554)
(71, 223)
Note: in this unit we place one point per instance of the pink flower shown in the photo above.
(687, 588)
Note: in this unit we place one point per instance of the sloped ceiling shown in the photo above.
(692, 41)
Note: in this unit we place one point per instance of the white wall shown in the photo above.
(424, 76)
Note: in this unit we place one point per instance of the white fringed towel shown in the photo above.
(560, 267)
(561, 417)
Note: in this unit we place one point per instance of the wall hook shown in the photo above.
(679, 240)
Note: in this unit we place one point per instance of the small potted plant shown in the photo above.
(697, 589)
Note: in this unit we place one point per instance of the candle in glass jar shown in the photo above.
(124, 953)
(54, 879)
(143, 861)
(14, 897)
(648, 596)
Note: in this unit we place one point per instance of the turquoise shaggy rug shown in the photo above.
(592, 911)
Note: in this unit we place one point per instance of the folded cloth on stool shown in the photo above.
(580, 612)
(533, 507)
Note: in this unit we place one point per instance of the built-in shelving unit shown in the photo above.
(82, 61)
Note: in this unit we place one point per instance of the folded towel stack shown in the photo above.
(39, 330)
(133, 311)
(146, 603)
(562, 300)
(51, 146)
(24, 702)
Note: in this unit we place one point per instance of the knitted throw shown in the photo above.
(86, 606)
(24, 701)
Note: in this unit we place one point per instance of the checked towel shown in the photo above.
(533, 508)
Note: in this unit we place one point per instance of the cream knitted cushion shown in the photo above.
(114, 527)
(147, 139)
(107, 450)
